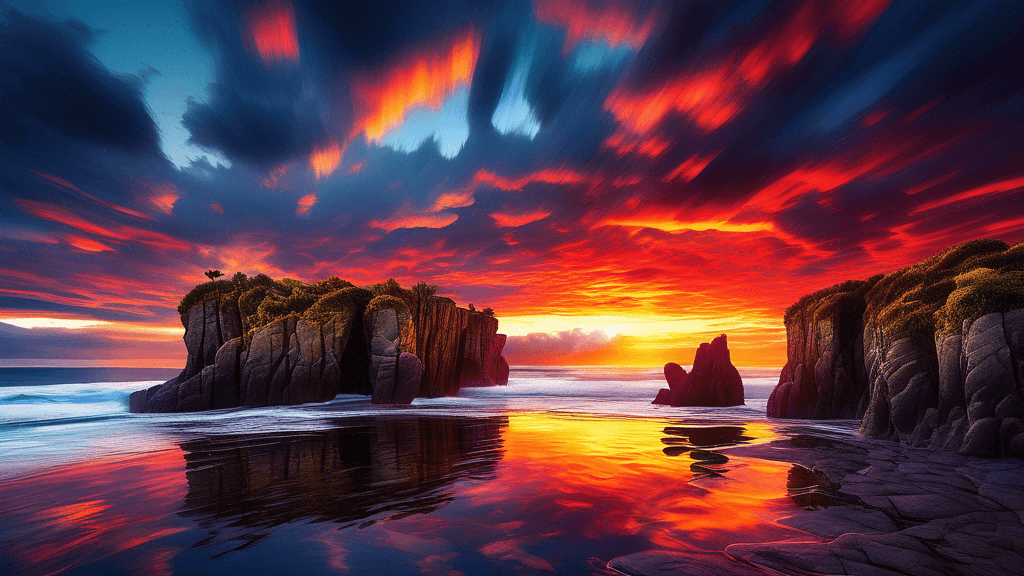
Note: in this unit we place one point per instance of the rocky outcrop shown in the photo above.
(458, 347)
(713, 381)
(930, 355)
(824, 376)
(337, 340)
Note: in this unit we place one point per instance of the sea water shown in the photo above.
(558, 472)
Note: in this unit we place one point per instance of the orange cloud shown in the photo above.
(305, 203)
(325, 159)
(87, 244)
(611, 23)
(459, 199)
(272, 29)
(424, 78)
(513, 220)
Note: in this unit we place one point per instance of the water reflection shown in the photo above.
(405, 494)
(694, 441)
(365, 470)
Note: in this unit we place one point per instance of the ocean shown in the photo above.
(558, 472)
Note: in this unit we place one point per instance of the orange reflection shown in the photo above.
(422, 491)
(611, 476)
(84, 512)
(425, 78)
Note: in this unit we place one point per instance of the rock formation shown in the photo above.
(713, 381)
(259, 342)
(931, 355)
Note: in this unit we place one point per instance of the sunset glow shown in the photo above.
(661, 173)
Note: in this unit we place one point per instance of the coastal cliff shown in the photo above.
(930, 355)
(261, 342)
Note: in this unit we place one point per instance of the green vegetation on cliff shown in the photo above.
(963, 282)
(262, 300)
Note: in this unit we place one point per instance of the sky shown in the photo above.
(620, 181)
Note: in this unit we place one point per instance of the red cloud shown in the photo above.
(690, 168)
(120, 232)
(87, 244)
(615, 24)
(992, 189)
(712, 94)
(624, 143)
(512, 220)
(272, 29)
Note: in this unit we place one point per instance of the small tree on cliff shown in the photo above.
(423, 290)
(488, 311)
(471, 307)
(213, 275)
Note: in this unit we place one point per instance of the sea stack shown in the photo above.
(713, 381)
(262, 342)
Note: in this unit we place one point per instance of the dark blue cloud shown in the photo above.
(50, 83)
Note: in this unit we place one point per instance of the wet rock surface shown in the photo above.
(902, 511)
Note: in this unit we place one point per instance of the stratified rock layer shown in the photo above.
(713, 381)
(383, 347)
(931, 355)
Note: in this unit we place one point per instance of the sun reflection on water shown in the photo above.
(534, 491)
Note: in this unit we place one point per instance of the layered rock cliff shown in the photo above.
(259, 342)
(931, 355)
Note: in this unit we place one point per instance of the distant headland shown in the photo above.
(263, 342)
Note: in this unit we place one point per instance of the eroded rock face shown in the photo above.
(390, 354)
(713, 381)
(457, 347)
(824, 376)
(949, 391)
(390, 334)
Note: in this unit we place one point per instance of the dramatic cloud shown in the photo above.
(661, 172)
